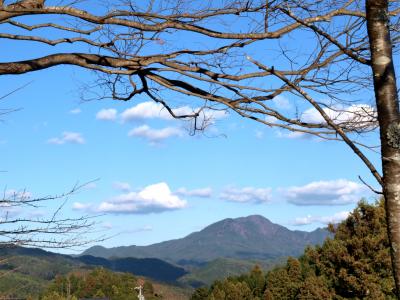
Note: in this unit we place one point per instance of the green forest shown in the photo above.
(354, 264)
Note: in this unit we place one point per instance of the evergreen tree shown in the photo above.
(256, 282)
(357, 260)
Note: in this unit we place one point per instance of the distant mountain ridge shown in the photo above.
(225, 248)
(252, 237)
(27, 272)
(149, 267)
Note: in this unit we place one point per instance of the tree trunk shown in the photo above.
(389, 121)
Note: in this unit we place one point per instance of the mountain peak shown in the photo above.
(251, 237)
(253, 226)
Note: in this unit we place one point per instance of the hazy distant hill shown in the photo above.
(46, 265)
(253, 237)
(149, 267)
(28, 272)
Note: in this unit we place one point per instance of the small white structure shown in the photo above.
(140, 289)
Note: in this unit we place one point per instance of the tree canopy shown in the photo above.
(98, 283)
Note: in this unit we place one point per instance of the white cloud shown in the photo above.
(246, 194)
(145, 110)
(122, 186)
(215, 114)
(334, 192)
(67, 138)
(155, 135)
(334, 219)
(152, 199)
(107, 114)
(203, 192)
(152, 110)
(271, 120)
(354, 116)
(81, 206)
(75, 111)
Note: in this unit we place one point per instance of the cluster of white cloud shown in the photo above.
(334, 192)
(352, 117)
(358, 115)
(153, 198)
(334, 219)
(246, 194)
(151, 110)
(67, 137)
(158, 197)
(148, 110)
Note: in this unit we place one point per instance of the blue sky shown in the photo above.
(153, 181)
(154, 185)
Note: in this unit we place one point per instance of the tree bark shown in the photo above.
(389, 120)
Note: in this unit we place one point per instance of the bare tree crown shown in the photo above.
(322, 67)
(222, 53)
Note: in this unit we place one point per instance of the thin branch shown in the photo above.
(369, 186)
